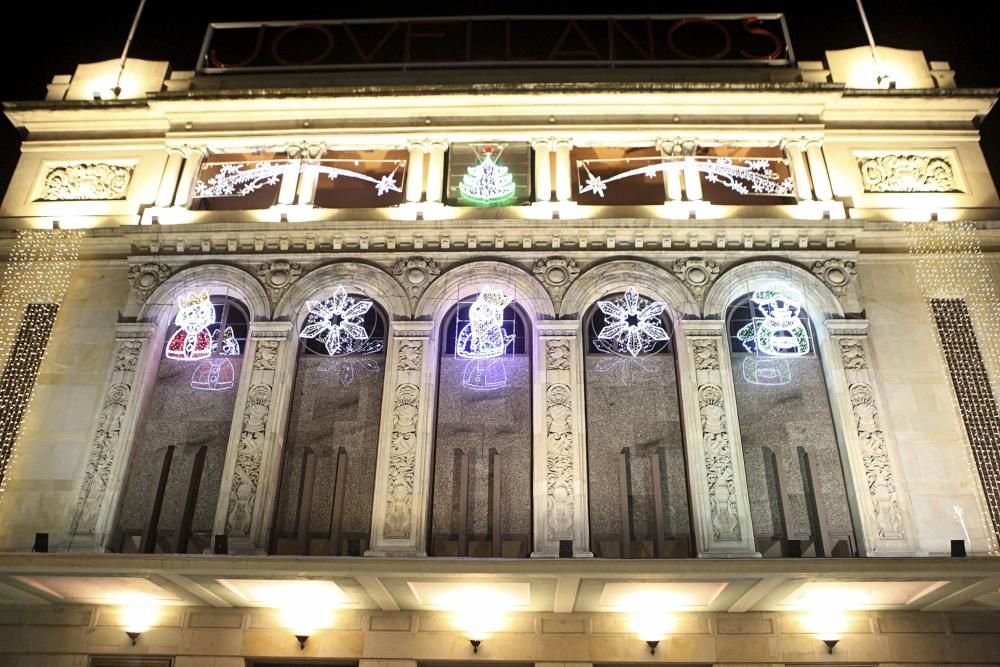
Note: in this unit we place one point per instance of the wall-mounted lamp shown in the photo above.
(830, 643)
(138, 617)
(133, 635)
(652, 644)
(475, 644)
(302, 641)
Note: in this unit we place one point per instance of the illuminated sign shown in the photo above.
(444, 43)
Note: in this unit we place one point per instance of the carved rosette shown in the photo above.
(145, 278)
(86, 181)
(415, 274)
(836, 274)
(278, 276)
(402, 461)
(560, 453)
(251, 444)
(556, 274)
(908, 173)
(697, 273)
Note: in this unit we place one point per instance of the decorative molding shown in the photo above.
(278, 276)
(415, 274)
(852, 354)
(402, 462)
(556, 274)
(559, 469)
(256, 412)
(86, 181)
(879, 473)
(145, 278)
(697, 274)
(557, 354)
(411, 355)
(836, 274)
(718, 456)
(706, 354)
(908, 172)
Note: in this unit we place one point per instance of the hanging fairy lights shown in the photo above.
(962, 301)
(34, 283)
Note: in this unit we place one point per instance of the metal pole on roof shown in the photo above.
(128, 44)
(882, 79)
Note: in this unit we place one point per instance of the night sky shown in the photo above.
(52, 39)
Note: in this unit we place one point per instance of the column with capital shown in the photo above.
(252, 468)
(720, 501)
(193, 157)
(168, 181)
(543, 169)
(559, 468)
(128, 381)
(880, 504)
(415, 173)
(800, 170)
(435, 171)
(401, 507)
(309, 176)
(672, 176)
(290, 174)
(819, 172)
(564, 171)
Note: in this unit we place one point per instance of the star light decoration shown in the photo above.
(235, 179)
(752, 177)
(632, 324)
(338, 322)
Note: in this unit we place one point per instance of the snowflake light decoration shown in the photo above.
(778, 332)
(192, 341)
(487, 182)
(338, 323)
(632, 324)
(233, 180)
(484, 337)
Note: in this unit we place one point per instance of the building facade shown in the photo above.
(312, 364)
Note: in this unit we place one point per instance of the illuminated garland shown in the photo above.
(34, 283)
(753, 177)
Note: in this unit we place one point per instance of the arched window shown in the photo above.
(798, 498)
(637, 478)
(175, 472)
(328, 471)
(482, 450)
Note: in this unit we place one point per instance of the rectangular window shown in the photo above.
(20, 372)
(976, 400)
(613, 166)
(489, 174)
(238, 182)
(360, 179)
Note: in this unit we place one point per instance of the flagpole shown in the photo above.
(128, 44)
(881, 77)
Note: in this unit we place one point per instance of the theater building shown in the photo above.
(516, 341)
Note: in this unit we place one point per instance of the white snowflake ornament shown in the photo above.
(632, 323)
(337, 322)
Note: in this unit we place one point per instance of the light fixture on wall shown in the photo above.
(477, 612)
(302, 641)
(652, 615)
(138, 617)
(475, 644)
(830, 643)
(652, 644)
(828, 623)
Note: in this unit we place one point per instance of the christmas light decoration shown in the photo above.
(487, 182)
(484, 337)
(234, 179)
(192, 341)
(383, 184)
(218, 374)
(962, 300)
(766, 370)
(35, 279)
(751, 177)
(779, 332)
(338, 323)
(633, 325)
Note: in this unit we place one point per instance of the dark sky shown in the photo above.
(52, 39)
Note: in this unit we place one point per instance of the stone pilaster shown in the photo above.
(168, 181)
(401, 507)
(564, 171)
(818, 171)
(720, 503)
(253, 456)
(543, 169)
(415, 173)
(435, 171)
(111, 440)
(879, 502)
(193, 157)
(800, 170)
(559, 468)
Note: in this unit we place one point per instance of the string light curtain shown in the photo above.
(34, 283)
(961, 296)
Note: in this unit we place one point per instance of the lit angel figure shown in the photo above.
(337, 322)
(484, 336)
(779, 332)
(192, 341)
(632, 324)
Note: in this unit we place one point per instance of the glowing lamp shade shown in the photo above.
(826, 624)
(138, 617)
(652, 615)
(478, 612)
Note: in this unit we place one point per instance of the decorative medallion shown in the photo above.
(556, 274)
(836, 274)
(697, 273)
(415, 274)
(278, 276)
(146, 278)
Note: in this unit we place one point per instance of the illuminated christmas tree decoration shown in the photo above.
(484, 337)
(752, 177)
(633, 325)
(487, 182)
(192, 341)
(338, 323)
(778, 332)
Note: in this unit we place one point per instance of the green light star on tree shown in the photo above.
(487, 182)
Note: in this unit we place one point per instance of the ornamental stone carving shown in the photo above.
(852, 354)
(415, 274)
(145, 278)
(559, 473)
(557, 354)
(907, 173)
(720, 476)
(836, 274)
(278, 276)
(875, 456)
(402, 462)
(411, 354)
(556, 274)
(250, 452)
(697, 273)
(706, 354)
(86, 181)
(102, 451)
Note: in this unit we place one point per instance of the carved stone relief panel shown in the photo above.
(402, 460)
(697, 273)
(836, 274)
(145, 278)
(557, 354)
(560, 475)
(908, 172)
(86, 181)
(415, 274)
(411, 355)
(556, 274)
(251, 443)
(278, 276)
